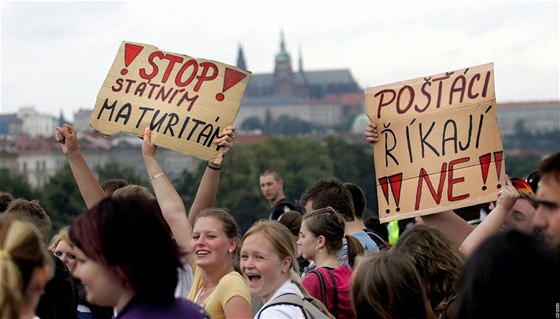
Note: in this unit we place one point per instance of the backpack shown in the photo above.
(309, 306)
(381, 243)
(324, 290)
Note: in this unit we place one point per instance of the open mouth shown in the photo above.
(202, 252)
(253, 278)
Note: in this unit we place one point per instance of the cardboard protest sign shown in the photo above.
(186, 102)
(439, 143)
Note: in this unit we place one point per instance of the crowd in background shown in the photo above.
(140, 254)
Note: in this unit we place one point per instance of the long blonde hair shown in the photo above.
(281, 239)
(21, 251)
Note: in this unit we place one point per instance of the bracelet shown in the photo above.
(156, 174)
(214, 167)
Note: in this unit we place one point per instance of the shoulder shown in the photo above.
(233, 284)
(281, 311)
(180, 308)
(366, 241)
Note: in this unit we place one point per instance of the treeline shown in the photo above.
(300, 160)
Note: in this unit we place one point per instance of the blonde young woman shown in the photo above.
(269, 265)
(25, 269)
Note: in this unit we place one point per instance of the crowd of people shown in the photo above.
(135, 253)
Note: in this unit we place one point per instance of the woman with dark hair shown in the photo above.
(385, 285)
(321, 237)
(127, 259)
(510, 275)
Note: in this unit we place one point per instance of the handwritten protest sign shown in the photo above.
(186, 102)
(439, 143)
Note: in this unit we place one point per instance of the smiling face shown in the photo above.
(65, 252)
(307, 242)
(101, 286)
(263, 269)
(210, 245)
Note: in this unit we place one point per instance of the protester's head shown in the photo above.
(321, 236)
(511, 275)
(268, 258)
(5, 200)
(386, 285)
(25, 267)
(112, 185)
(31, 212)
(373, 223)
(63, 248)
(292, 220)
(124, 247)
(547, 217)
(437, 260)
(358, 199)
(272, 185)
(329, 192)
(215, 239)
(129, 190)
(521, 215)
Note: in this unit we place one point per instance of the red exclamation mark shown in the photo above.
(484, 166)
(396, 182)
(231, 78)
(498, 156)
(384, 182)
(131, 51)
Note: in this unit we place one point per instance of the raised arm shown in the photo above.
(170, 201)
(450, 224)
(208, 187)
(507, 196)
(90, 189)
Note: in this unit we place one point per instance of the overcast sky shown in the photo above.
(56, 55)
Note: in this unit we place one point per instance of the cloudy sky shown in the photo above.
(56, 55)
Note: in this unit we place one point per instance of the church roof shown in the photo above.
(324, 77)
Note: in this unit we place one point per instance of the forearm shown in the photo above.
(206, 193)
(89, 188)
(490, 225)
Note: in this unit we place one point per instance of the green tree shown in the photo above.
(521, 166)
(252, 123)
(16, 184)
(61, 198)
(286, 125)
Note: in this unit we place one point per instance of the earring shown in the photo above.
(229, 251)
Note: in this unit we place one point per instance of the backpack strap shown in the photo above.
(289, 299)
(319, 274)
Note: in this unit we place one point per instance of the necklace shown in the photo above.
(200, 296)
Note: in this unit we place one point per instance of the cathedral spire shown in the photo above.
(300, 60)
(241, 58)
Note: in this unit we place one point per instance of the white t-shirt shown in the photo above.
(185, 280)
(282, 311)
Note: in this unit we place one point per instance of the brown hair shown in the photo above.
(437, 260)
(31, 212)
(386, 285)
(329, 224)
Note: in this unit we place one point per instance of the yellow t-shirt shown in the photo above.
(231, 285)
